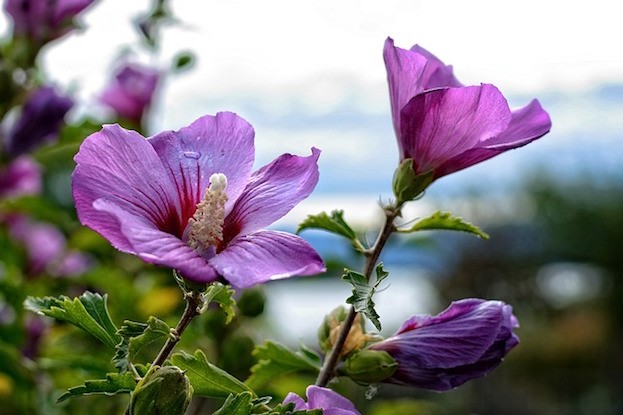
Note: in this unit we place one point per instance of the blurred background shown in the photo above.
(311, 73)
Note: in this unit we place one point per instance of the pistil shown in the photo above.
(205, 228)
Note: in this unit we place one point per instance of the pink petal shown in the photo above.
(410, 72)
(212, 144)
(264, 256)
(272, 192)
(121, 167)
(157, 247)
(527, 124)
(440, 124)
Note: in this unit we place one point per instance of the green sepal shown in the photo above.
(207, 379)
(369, 366)
(88, 312)
(135, 337)
(165, 390)
(274, 359)
(113, 384)
(445, 221)
(363, 291)
(407, 185)
(333, 223)
(240, 404)
(223, 296)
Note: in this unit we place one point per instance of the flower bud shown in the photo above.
(466, 341)
(166, 390)
(330, 329)
(369, 366)
(407, 184)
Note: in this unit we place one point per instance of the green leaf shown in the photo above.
(237, 405)
(334, 224)
(207, 379)
(223, 296)
(136, 337)
(445, 221)
(89, 312)
(274, 359)
(183, 61)
(363, 292)
(112, 385)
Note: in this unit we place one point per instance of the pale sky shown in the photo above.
(312, 59)
(323, 52)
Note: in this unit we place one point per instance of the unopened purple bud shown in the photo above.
(465, 341)
(40, 121)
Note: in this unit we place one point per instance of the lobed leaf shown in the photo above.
(363, 292)
(113, 384)
(88, 312)
(333, 223)
(207, 379)
(223, 296)
(445, 221)
(274, 359)
(137, 336)
(237, 405)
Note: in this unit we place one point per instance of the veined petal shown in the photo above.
(272, 192)
(157, 247)
(121, 167)
(212, 144)
(266, 255)
(458, 336)
(527, 124)
(436, 74)
(318, 397)
(410, 72)
(440, 124)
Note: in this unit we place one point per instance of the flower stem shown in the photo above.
(194, 302)
(372, 256)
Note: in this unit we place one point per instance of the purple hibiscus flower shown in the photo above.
(329, 401)
(40, 121)
(44, 20)
(21, 177)
(444, 126)
(45, 247)
(131, 91)
(188, 200)
(465, 341)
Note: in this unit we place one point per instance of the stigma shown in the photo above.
(205, 228)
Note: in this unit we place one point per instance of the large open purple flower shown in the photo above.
(444, 126)
(189, 201)
(331, 403)
(465, 341)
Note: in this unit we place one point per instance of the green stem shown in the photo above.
(194, 302)
(372, 256)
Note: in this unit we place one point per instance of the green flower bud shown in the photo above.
(166, 390)
(408, 185)
(251, 302)
(369, 366)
